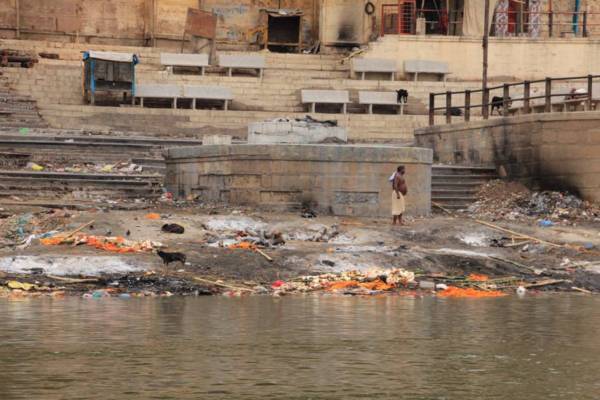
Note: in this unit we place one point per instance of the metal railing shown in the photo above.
(401, 20)
(586, 98)
(547, 23)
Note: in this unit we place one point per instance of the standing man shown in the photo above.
(399, 191)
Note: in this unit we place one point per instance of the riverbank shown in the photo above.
(242, 252)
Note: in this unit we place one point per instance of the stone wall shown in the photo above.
(553, 151)
(340, 180)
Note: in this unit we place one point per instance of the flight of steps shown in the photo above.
(28, 185)
(17, 110)
(455, 187)
(66, 148)
(57, 146)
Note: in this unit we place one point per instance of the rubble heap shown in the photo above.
(510, 200)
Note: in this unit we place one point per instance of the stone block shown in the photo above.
(208, 140)
(184, 60)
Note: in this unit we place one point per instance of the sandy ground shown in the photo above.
(435, 246)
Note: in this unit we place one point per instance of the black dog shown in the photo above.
(402, 96)
(456, 112)
(498, 103)
(173, 228)
(168, 258)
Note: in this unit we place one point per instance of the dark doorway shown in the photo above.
(285, 33)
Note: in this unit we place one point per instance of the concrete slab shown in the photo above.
(207, 92)
(158, 91)
(184, 60)
(325, 96)
(250, 61)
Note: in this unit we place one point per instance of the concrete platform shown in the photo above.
(338, 180)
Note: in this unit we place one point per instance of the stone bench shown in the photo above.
(374, 65)
(161, 91)
(171, 60)
(244, 61)
(208, 93)
(380, 98)
(314, 97)
(417, 67)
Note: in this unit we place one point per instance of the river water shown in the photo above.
(313, 347)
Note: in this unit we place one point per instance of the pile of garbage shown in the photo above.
(513, 201)
(18, 229)
(348, 282)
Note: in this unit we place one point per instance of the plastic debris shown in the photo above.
(153, 216)
(34, 167)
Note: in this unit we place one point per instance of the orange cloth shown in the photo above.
(478, 278)
(243, 246)
(453, 291)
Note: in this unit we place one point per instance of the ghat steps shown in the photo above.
(455, 187)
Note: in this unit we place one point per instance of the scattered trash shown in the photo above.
(545, 223)
(513, 201)
(351, 282)
(35, 167)
(112, 244)
(153, 216)
(250, 246)
(521, 291)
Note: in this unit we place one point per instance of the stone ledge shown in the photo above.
(306, 152)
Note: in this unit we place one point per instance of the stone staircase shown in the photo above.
(56, 85)
(29, 185)
(59, 148)
(17, 110)
(455, 187)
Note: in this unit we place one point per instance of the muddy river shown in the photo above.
(314, 347)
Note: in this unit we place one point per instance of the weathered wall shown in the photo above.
(341, 180)
(518, 58)
(553, 151)
(237, 18)
(116, 19)
(132, 22)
